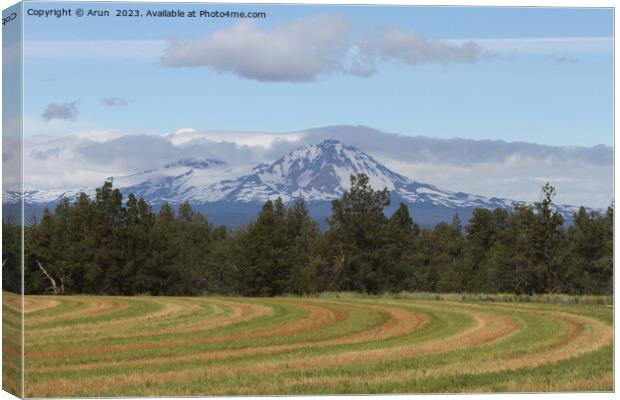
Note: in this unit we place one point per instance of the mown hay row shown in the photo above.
(182, 346)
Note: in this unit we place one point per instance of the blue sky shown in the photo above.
(517, 74)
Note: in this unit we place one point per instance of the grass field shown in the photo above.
(136, 346)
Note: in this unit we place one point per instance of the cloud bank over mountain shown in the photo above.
(517, 170)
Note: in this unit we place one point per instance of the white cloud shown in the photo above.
(260, 139)
(104, 136)
(297, 51)
(577, 183)
(414, 49)
(87, 158)
(308, 47)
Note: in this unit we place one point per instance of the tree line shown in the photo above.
(107, 246)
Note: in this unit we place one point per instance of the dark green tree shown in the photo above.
(591, 253)
(301, 256)
(265, 269)
(549, 243)
(139, 242)
(401, 244)
(360, 223)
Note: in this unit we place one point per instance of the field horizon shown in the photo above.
(340, 343)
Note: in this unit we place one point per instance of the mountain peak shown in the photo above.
(316, 172)
(330, 142)
(328, 150)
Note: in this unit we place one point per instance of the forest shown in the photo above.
(110, 246)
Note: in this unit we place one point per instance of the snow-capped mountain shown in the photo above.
(184, 180)
(317, 172)
(322, 172)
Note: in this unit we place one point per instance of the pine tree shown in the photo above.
(302, 263)
(222, 263)
(193, 241)
(481, 236)
(139, 243)
(359, 223)
(549, 241)
(591, 253)
(160, 272)
(401, 234)
(265, 271)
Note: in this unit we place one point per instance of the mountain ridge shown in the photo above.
(319, 173)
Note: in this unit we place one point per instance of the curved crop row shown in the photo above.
(115, 346)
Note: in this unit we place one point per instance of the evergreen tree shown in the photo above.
(222, 263)
(401, 234)
(591, 253)
(193, 244)
(138, 266)
(265, 271)
(160, 273)
(480, 238)
(437, 261)
(494, 274)
(549, 242)
(301, 259)
(360, 222)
